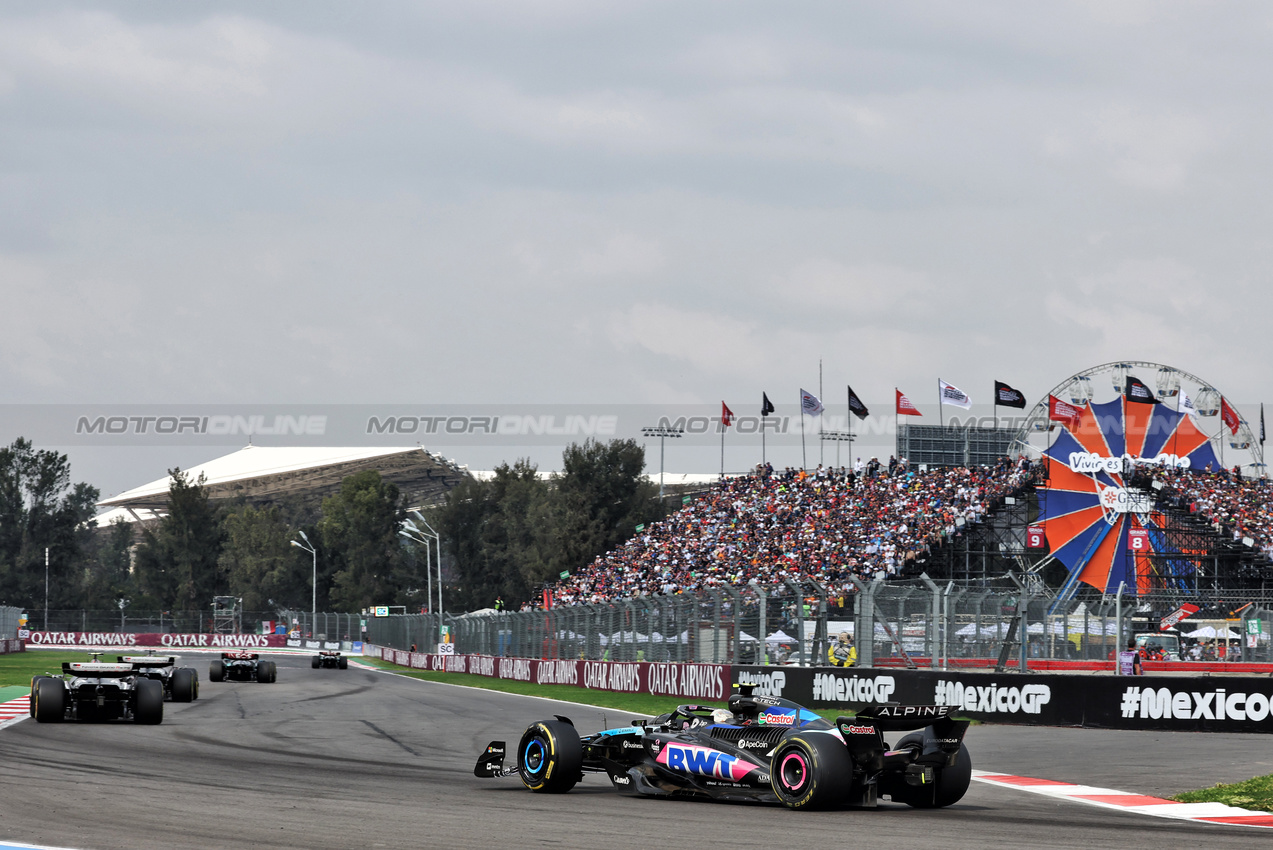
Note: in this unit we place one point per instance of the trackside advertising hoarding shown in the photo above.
(706, 682)
(177, 641)
(1229, 704)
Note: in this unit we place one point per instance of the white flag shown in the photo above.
(1186, 405)
(953, 395)
(810, 404)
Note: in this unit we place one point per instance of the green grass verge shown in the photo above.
(638, 705)
(1254, 794)
(17, 668)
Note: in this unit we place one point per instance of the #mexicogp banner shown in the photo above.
(1197, 704)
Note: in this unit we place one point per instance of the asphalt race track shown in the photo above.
(358, 758)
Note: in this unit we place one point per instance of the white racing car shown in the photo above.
(95, 690)
(181, 684)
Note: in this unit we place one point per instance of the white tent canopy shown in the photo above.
(1211, 633)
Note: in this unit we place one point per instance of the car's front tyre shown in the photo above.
(550, 757)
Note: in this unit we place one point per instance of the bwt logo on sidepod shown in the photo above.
(703, 762)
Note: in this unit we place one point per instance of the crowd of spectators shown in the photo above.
(1235, 506)
(823, 524)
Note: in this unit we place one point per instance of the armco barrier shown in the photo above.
(1230, 704)
(710, 682)
(157, 640)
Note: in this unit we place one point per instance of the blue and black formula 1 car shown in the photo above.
(760, 749)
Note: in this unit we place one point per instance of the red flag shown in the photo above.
(1230, 416)
(904, 405)
(726, 415)
(1063, 412)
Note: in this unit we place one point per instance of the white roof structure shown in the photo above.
(263, 474)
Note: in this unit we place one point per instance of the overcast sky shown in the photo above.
(639, 202)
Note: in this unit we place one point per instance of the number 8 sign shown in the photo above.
(1138, 540)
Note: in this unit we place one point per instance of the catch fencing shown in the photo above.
(919, 624)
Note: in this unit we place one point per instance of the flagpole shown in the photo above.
(941, 420)
(849, 421)
(996, 393)
(804, 458)
(1175, 438)
(821, 442)
(722, 445)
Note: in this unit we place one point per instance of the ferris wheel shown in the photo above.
(1109, 420)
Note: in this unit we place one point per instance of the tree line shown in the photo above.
(501, 539)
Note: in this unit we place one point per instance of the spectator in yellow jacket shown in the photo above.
(843, 653)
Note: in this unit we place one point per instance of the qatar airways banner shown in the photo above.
(175, 641)
(708, 682)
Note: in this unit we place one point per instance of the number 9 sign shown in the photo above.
(1035, 538)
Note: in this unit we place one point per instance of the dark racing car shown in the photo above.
(329, 659)
(242, 667)
(760, 749)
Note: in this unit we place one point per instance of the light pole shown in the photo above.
(662, 432)
(413, 532)
(311, 549)
(46, 588)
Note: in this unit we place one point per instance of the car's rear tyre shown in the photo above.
(31, 699)
(342, 663)
(185, 685)
(316, 662)
(148, 702)
(48, 700)
(550, 757)
(216, 671)
(949, 783)
(811, 771)
(266, 671)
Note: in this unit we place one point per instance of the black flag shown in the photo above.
(766, 406)
(1261, 423)
(1006, 396)
(856, 407)
(1137, 391)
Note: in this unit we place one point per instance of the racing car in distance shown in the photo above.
(242, 667)
(181, 684)
(329, 658)
(760, 749)
(96, 690)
